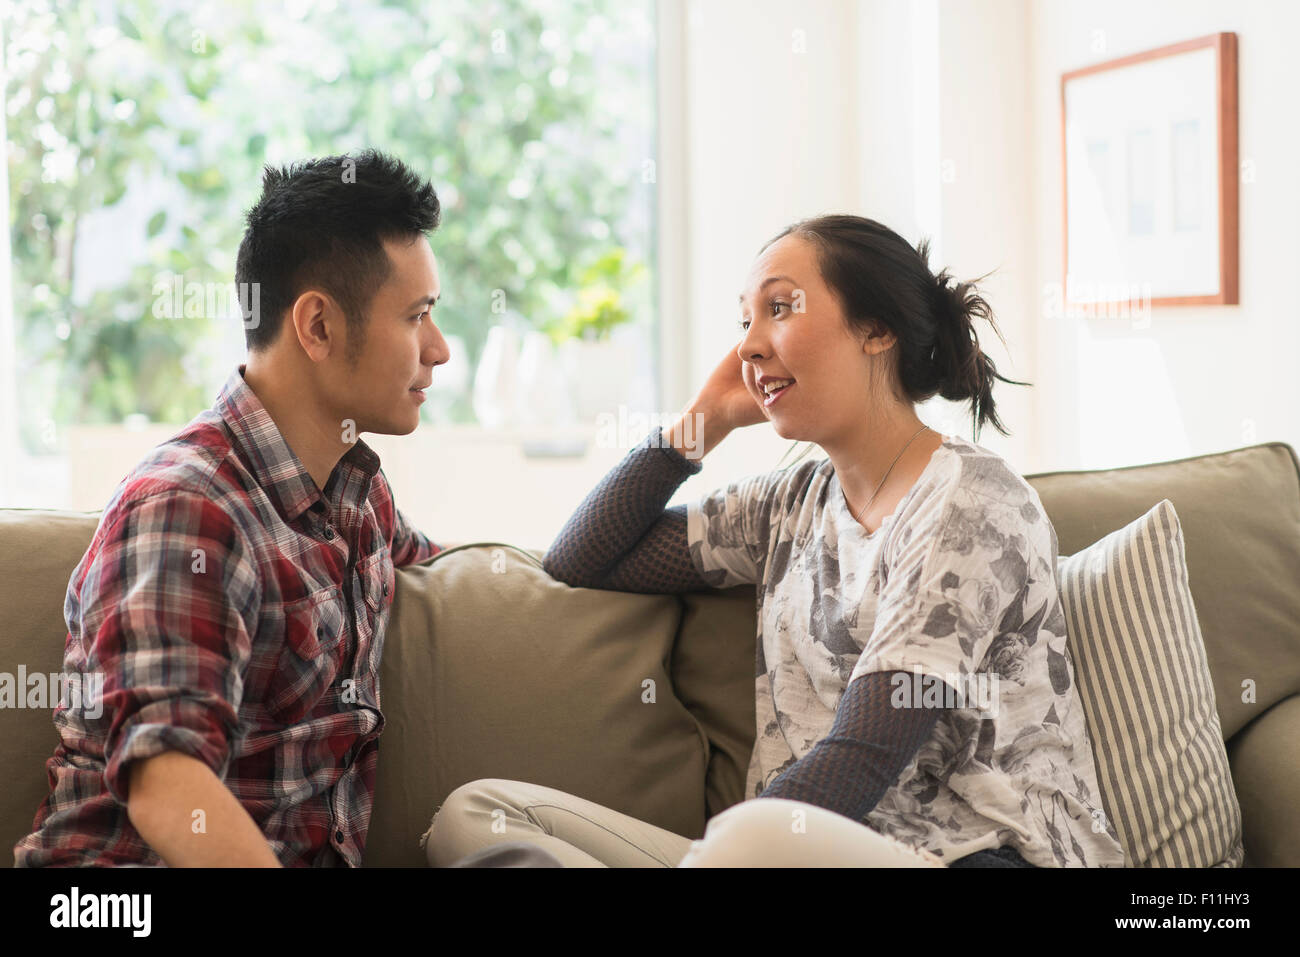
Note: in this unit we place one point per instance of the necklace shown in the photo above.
(888, 470)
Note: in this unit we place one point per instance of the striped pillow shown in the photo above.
(1146, 691)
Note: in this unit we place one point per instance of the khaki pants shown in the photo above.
(769, 832)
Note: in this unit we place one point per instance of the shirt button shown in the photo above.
(329, 531)
(385, 588)
(338, 836)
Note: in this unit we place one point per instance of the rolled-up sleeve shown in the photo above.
(169, 607)
(410, 545)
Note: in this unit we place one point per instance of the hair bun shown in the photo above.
(950, 310)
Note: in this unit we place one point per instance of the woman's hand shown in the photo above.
(731, 395)
(728, 400)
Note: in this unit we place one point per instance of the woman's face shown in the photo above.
(794, 329)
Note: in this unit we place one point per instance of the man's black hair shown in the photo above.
(321, 223)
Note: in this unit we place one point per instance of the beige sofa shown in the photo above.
(645, 703)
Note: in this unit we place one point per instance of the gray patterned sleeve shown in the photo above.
(621, 537)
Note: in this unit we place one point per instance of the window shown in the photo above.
(136, 133)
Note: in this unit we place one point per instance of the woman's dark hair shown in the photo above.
(882, 281)
(321, 222)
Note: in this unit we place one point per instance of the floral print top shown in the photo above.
(957, 586)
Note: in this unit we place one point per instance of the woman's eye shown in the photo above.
(744, 324)
(777, 306)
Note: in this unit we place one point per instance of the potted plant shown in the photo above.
(597, 364)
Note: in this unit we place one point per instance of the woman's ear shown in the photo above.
(878, 339)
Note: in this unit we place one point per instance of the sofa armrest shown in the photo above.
(1265, 761)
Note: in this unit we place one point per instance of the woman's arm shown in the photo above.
(621, 537)
(867, 748)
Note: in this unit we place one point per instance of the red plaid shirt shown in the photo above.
(235, 614)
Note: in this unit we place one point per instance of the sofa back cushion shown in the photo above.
(713, 672)
(38, 551)
(492, 669)
(1240, 516)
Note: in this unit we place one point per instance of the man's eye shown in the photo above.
(421, 315)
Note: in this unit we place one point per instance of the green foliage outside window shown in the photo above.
(533, 120)
(601, 305)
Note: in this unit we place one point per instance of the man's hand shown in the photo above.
(164, 793)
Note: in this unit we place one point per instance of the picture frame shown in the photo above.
(1150, 178)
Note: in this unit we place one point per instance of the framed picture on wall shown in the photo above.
(1149, 154)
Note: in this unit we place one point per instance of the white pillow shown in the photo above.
(1146, 691)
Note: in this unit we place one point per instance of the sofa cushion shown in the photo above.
(492, 669)
(1265, 758)
(1240, 515)
(713, 672)
(38, 551)
(1146, 691)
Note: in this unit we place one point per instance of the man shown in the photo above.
(234, 598)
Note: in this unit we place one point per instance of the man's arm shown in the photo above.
(166, 791)
(410, 545)
(163, 619)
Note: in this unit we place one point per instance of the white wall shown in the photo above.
(985, 170)
(770, 137)
(1199, 378)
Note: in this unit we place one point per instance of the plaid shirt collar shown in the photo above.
(268, 456)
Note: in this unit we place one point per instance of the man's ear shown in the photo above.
(313, 324)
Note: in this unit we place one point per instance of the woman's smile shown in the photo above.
(773, 396)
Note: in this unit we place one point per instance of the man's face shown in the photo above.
(379, 386)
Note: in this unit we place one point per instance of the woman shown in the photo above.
(915, 696)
